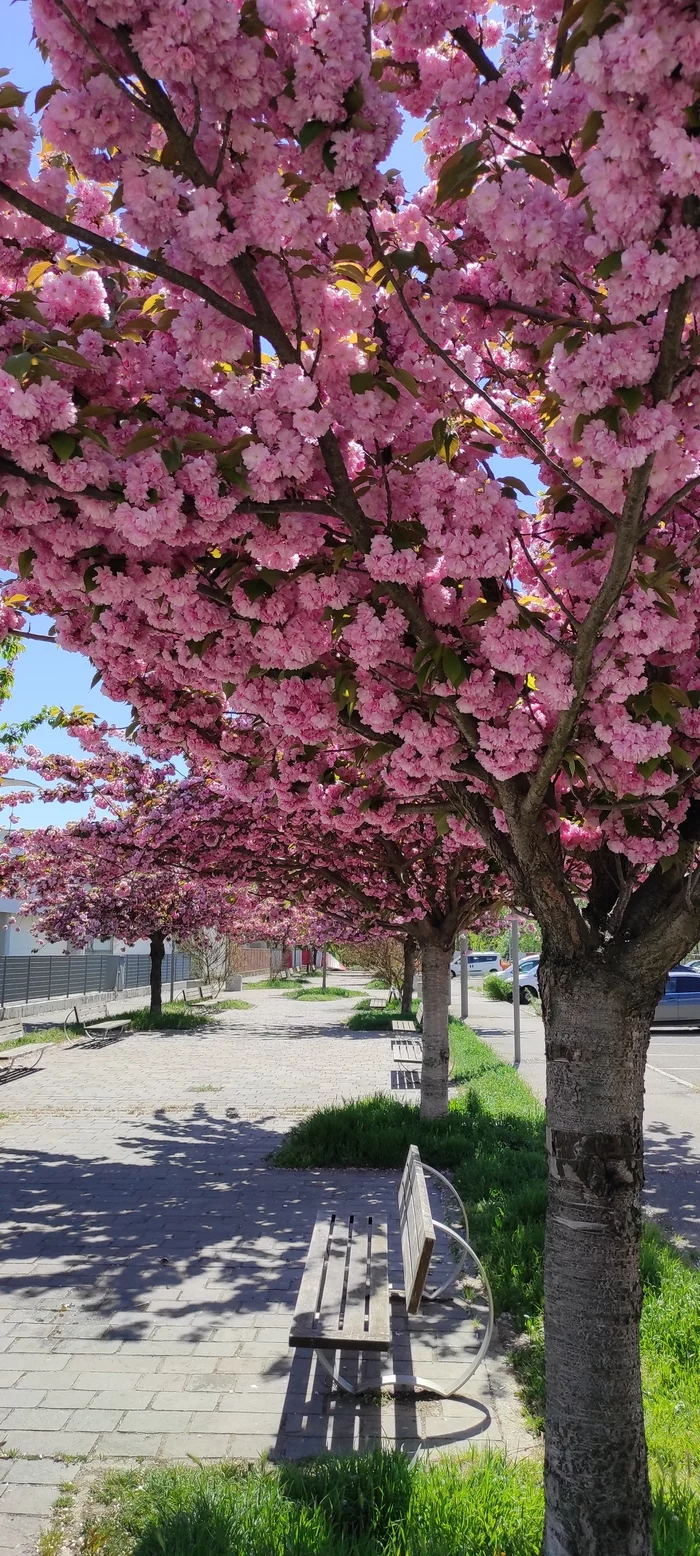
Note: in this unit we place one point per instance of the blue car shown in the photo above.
(680, 1002)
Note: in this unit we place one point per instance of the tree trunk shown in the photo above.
(157, 954)
(409, 969)
(436, 1046)
(597, 1491)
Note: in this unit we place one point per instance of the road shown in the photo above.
(671, 1113)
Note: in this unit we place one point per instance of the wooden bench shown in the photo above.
(14, 1057)
(378, 1001)
(344, 1298)
(201, 999)
(412, 1024)
(98, 1033)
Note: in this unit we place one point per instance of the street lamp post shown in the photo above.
(464, 975)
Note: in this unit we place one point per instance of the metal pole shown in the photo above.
(464, 974)
(172, 970)
(324, 964)
(515, 958)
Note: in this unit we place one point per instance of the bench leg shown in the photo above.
(337, 1376)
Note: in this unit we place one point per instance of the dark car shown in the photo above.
(680, 1002)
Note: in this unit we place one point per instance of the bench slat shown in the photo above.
(403, 1026)
(343, 1300)
(417, 1229)
(403, 1051)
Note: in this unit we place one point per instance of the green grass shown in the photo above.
(175, 1017)
(493, 1143)
(332, 992)
(370, 1504)
(496, 988)
(365, 1020)
(278, 981)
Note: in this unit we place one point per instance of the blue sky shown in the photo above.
(46, 674)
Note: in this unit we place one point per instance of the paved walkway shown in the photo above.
(671, 1105)
(152, 1260)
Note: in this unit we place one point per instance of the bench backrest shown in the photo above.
(417, 1230)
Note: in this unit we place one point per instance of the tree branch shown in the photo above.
(538, 315)
(147, 263)
(485, 66)
(483, 393)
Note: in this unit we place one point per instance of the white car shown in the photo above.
(480, 963)
(529, 985)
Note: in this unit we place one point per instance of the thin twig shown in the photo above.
(134, 99)
(483, 393)
(550, 591)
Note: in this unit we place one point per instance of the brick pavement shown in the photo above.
(152, 1259)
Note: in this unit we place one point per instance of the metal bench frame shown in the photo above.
(94, 1030)
(416, 1269)
(10, 1059)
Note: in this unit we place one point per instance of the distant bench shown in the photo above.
(201, 998)
(344, 1301)
(9, 1032)
(408, 1051)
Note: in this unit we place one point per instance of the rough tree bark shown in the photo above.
(157, 954)
(409, 970)
(436, 1049)
(596, 1033)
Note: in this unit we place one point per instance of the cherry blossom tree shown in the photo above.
(257, 412)
(346, 857)
(69, 880)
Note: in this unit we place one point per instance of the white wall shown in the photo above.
(17, 937)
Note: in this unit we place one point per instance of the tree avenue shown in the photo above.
(345, 863)
(254, 408)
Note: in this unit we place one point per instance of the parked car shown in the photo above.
(529, 985)
(680, 1002)
(480, 963)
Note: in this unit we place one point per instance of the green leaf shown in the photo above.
(607, 266)
(631, 399)
(348, 198)
(310, 132)
(351, 251)
(18, 364)
(453, 667)
(405, 378)
(536, 167)
(172, 459)
(459, 173)
(67, 355)
(680, 758)
(11, 97)
(591, 129)
(439, 434)
(144, 438)
(361, 383)
(63, 445)
(44, 95)
(514, 480)
(25, 562)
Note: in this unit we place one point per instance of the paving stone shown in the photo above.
(148, 1316)
(37, 1501)
(40, 1472)
(128, 1445)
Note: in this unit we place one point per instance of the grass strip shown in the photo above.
(493, 1143)
(364, 1019)
(175, 1017)
(332, 992)
(369, 1504)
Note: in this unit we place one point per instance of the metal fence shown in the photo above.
(26, 978)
